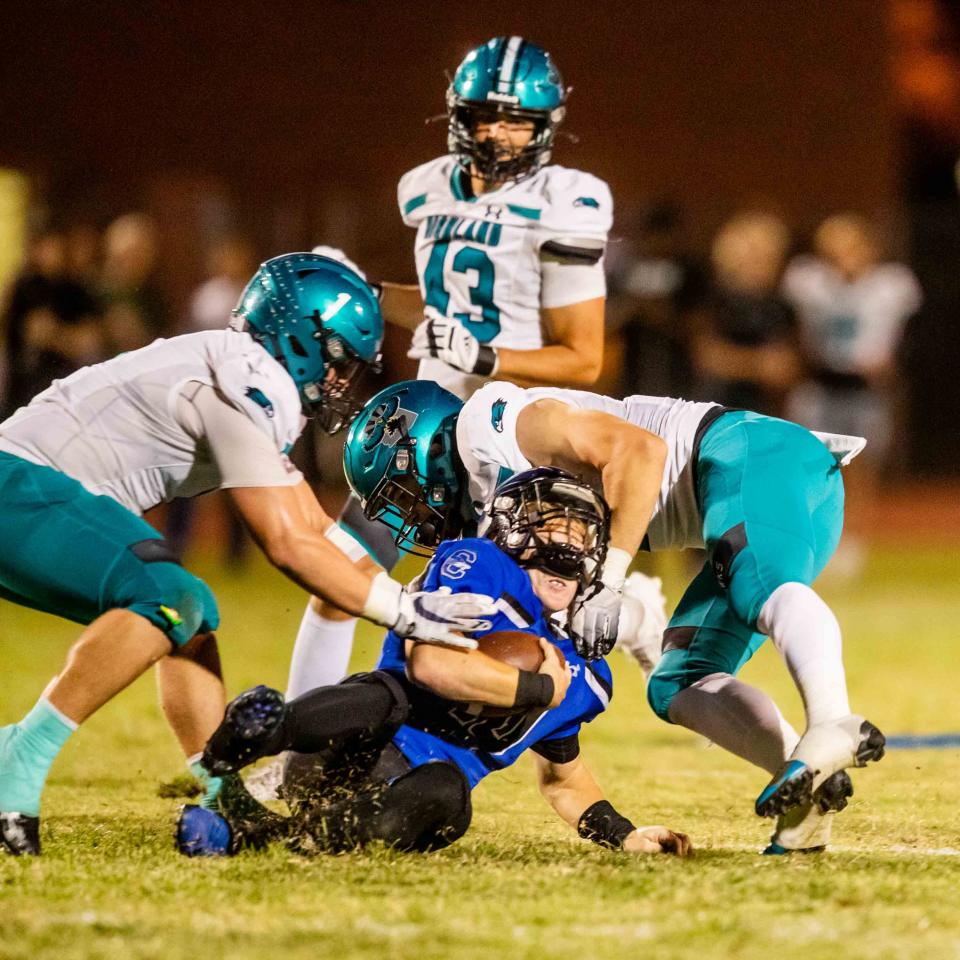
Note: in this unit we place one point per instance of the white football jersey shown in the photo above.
(115, 426)
(851, 327)
(487, 443)
(479, 258)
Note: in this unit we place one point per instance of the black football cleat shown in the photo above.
(20, 834)
(248, 731)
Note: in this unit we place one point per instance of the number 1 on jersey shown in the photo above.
(485, 326)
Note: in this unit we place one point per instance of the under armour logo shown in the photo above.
(493, 212)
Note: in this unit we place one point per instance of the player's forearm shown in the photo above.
(553, 365)
(569, 788)
(401, 304)
(314, 563)
(466, 676)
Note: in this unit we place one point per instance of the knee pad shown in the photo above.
(155, 586)
(449, 803)
(400, 708)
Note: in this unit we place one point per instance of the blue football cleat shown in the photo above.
(248, 731)
(203, 833)
(791, 787)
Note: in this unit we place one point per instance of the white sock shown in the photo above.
(805, 631)
(321, 655)
(737, 717)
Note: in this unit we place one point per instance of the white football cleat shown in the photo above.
(806, 828)
(823, 750)
(643, 618)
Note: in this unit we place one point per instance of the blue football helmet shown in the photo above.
(511, 79)
(548, 519)
(401, 460)
(322, 322)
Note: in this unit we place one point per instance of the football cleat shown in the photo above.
(806, 828)
(247, 732)
(823, 750)
(203, 833)
(20, 834)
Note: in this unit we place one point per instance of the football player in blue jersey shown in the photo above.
(400, 749)
(764, 497)
(509, 255)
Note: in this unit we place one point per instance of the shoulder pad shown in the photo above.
(579, 208)
(254, 383)
(418, 184)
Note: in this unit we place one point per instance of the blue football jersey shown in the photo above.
(440, 729)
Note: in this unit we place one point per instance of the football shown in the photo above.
(520, 650)
(516, 647)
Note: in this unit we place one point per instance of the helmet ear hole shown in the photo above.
(297, 346)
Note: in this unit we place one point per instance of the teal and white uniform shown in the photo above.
(83, 461)
(495, 260)
(763, 496)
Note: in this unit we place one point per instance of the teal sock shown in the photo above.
(27, 749)
(209, 784)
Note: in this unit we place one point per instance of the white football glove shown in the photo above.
(596, 618)
(643, 618)
(440, 616)
(595, 621)
(449, 340)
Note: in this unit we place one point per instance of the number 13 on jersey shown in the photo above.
(484, 323)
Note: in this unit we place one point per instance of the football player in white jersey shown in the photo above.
(220, 409)
(509, 253)
(762, 495)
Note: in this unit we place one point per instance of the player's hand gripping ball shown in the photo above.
(518, 649)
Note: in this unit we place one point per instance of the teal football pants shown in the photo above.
(771, 499)
(77, 555)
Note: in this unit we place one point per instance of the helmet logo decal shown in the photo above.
(496, 414)
(334, 308)
(398, 426)
(456, 566)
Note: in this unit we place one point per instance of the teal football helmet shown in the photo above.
(322, 322)
(510, 78)
(401, 460)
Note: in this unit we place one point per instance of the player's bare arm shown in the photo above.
(574, 355)
(572, 791)
(473, 677)
(627, 459)
(401, 304)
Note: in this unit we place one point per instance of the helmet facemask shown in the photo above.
(336, 400)
(559, 526)
(492, 162)
(421, 513)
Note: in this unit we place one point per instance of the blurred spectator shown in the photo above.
(52, 324)
(83, 248)
(744, 346)
(230, 264)
(653, 287)
(852, 309)
(135, 309)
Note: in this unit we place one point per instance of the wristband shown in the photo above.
(533, 689)
(487, 361)
(383, 601)
(615, 567)
(601, 824)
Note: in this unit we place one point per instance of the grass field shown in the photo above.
(520, 884)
